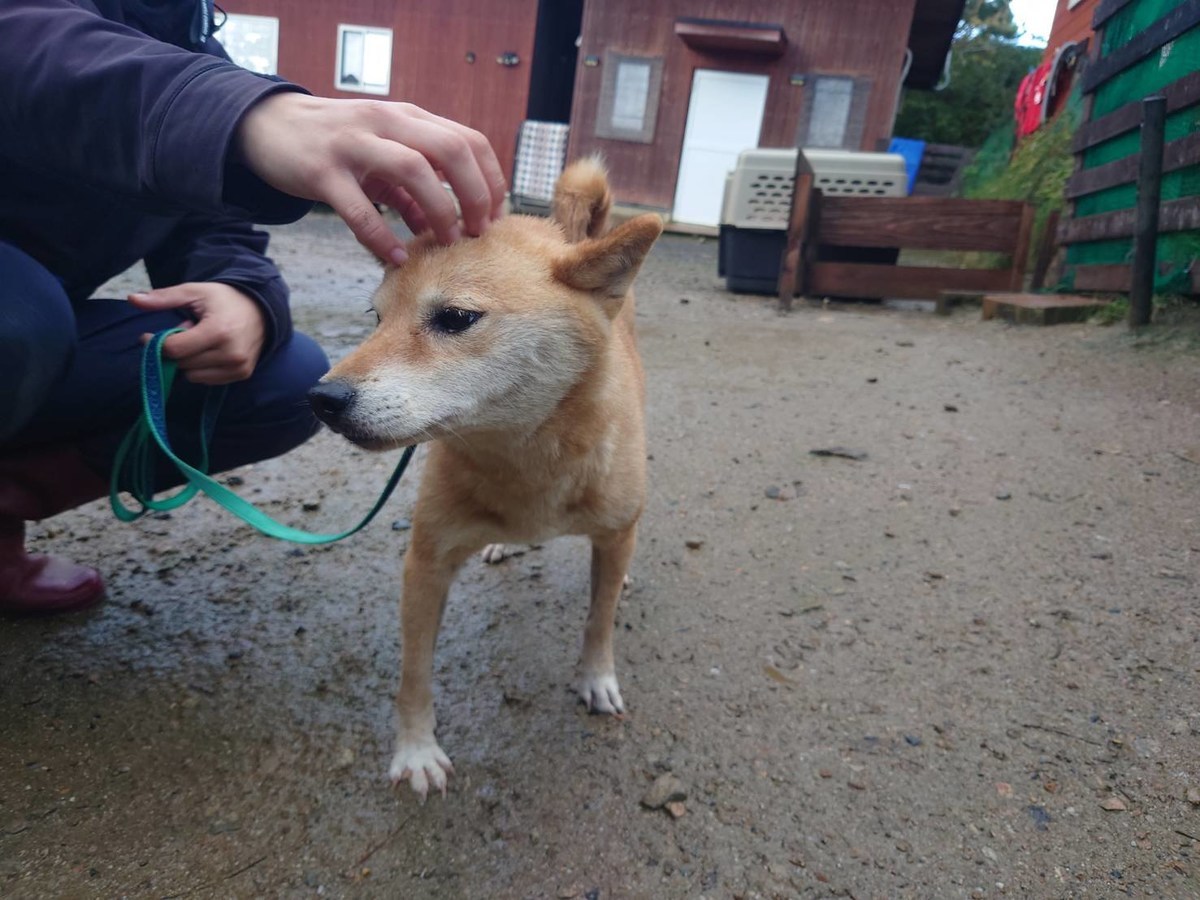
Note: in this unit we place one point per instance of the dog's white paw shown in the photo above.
(627, 583)
(422, 764)
(495, 553)
(601, 694)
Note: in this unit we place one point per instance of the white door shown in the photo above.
(724, 118)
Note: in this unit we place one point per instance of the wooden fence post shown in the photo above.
(1020, 257)
(1046, 248)
(792, 265)
(1149, 196)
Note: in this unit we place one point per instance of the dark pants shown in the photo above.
(69, 375)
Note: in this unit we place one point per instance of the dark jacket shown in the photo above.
(116, 145)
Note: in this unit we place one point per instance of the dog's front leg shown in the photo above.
(428, 572)
(611, 555)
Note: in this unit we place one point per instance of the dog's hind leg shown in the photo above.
(428, 572)
(598, 686)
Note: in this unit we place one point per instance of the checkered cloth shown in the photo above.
(541, 155)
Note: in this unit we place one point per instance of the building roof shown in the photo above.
(929, 39)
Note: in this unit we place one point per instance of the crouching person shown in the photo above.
(71, 367)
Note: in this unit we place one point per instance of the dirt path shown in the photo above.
(929, 672)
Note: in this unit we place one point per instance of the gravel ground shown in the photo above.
(964, 664)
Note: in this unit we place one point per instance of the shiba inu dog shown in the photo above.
(514, 354)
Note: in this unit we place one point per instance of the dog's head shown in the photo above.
(488, 334)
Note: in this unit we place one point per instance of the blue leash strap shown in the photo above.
(134, 465)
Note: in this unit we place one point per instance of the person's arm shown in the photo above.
(86, 99)
(94, 102)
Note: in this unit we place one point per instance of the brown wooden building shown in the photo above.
(664, 89)
(724, 75)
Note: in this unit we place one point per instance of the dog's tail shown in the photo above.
(582, 199)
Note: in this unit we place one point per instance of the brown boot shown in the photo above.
(36, 484)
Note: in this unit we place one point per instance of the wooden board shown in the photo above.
(1180, 94)
(1116, 279)
(1039, 309)
(926, 223)
(1178, 21)
(908, 282)
(1174, 215)
(1176, 155)
(1106, 9)
(1047, 247)
(792, 269)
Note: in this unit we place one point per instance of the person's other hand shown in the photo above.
(224, 342)
(352, 154)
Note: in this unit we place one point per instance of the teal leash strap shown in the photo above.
(133, 468)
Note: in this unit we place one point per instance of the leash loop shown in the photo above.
(133, 468)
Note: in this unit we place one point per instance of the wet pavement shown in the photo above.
(960, 661)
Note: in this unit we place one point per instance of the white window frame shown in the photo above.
(257, 48)
(365, 32)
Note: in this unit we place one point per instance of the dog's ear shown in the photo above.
(607, 266)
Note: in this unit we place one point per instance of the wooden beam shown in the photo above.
(1046, 247)
(791, 267)
(1105, 10)
(1020, 249)
(743, 37)
(1174, 215)
(1103, 279)
(1176, 155)
(1178, 21)
(1117, 279)
(911, 282)
(1180, 94)
(929, 223)
(1149, 202)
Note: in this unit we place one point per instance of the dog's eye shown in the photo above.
(452, 320)
(372, 311)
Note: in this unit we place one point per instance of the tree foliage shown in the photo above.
(986, 68)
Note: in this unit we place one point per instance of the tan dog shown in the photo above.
(515, 354)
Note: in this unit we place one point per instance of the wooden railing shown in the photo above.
(915, 223)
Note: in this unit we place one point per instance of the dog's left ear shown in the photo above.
(606, 266)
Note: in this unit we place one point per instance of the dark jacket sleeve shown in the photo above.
(94, 102)
(229, 251)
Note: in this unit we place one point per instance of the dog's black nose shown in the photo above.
(329, 399)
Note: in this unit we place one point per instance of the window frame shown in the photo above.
(606, 106)
(363, 88)
(247, 19)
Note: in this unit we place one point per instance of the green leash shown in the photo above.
(133, 468)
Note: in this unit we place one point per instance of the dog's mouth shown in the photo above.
(365, 440)
(373, 441)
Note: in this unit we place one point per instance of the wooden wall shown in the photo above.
(1070, 25)
(860, 38)
(430, 42)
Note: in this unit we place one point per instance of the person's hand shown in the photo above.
(352, 154)
(226, 339)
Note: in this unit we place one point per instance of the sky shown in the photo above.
(1034, 18)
